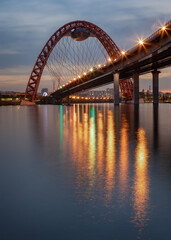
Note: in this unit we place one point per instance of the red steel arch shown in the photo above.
(34, 80)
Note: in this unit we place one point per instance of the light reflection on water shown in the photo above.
(108, 165)
(124, 156)
(110, 155)
(141, 181)
(94, 132)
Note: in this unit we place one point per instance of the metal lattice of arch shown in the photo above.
(108, 44)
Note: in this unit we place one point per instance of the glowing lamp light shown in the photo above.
(163, 27)
(79, 76)
(45, 94)
(109, 59)
(99, 65)
(85, 73)
(141, 42)
(123, 52)
(91, 69)
(74, 79)
(60, 87)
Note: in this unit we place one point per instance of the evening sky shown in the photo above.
(25, 26)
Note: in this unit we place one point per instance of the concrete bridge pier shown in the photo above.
(136, 87)
(116, 88)
(61, 101)
(68, 100)
(155, 74)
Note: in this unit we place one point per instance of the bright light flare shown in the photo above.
(163, 27)
(109, 60)
(99, 65)
(79, 76)
(91, 69)
(45, 94)
(84, 73)
(141, 42)
(123, 52)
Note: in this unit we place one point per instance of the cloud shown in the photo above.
(25, 26)
(13, 82)
(20, 70)
(164, 73)
(9, 52)
(164, 80)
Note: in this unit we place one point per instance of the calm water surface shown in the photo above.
(85, 172)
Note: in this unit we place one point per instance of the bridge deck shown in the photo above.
(154, 54)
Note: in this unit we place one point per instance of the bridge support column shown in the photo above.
(155, 86)
(136, 87)
(116, 88)
(68, 100)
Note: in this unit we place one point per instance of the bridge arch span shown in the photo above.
(34, 80)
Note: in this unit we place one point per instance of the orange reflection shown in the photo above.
(74, 129)
(123, 156)
(80, 143)
(100, 145)
(141, 182)
(80, 130)
(110, 155)
(85, 128)
(61, 127)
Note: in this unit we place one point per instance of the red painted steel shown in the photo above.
(126, 87)
(106, 41)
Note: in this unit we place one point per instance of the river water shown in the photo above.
(85, 172)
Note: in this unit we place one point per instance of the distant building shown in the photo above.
(97, 93)
(109, 92)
